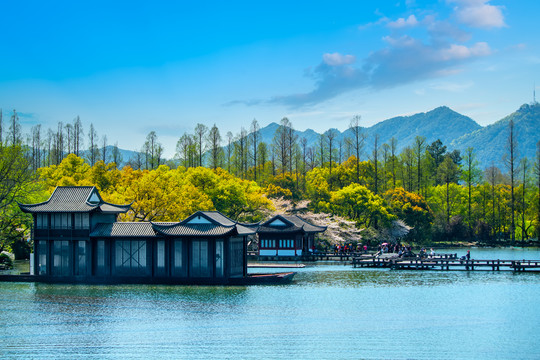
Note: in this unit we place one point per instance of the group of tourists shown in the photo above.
(350, 248)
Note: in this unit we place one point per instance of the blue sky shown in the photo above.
(133, 67)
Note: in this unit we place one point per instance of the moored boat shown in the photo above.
(264, 279)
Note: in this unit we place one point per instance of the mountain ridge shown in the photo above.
(456, 131)
(527, 133)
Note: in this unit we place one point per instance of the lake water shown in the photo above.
(329, 312)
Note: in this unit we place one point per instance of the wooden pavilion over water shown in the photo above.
(77, 239)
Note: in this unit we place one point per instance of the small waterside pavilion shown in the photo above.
(77, 239)
(287, 236)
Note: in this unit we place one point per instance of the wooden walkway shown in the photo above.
(448, 264)
(318, 256)
(332, 256)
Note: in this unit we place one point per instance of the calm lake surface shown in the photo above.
(329, 312)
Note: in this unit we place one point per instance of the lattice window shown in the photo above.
(130, 256)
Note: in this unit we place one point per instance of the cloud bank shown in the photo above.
(443, 50)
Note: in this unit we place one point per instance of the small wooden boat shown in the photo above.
(264, 279)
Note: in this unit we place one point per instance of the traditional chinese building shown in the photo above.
(77, 238)
(287, 235)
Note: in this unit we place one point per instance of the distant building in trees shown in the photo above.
(287, 235)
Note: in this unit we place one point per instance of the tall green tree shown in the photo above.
(283, 142)
(393, 154)
(116, 155)
(255, 139)
(524, 170)
(407, 158)
(93, 150)
(153, 151)
(78, 134)
(104, 152)
(358, 142)
(419, 149)
(471, 175)
(437, 151)
(214, 144)
(331, 141)
(447, 173)
(510, 161)
(200, 132)
(15, 136)
(375, 162)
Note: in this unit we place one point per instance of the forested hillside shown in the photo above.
(490, 141)
(453, 129)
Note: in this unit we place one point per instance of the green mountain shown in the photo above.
(490, 142)
(441, 123)
(455, 130)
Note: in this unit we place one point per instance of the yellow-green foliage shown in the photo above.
(274, 191)
(317, 188)
(163, 194)
(411, 208)
(358, 203)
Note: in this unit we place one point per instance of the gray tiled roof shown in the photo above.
(113, 208)
(246, 230)
(148, 229)
(194, 230)
(206, 223)
(124, 229)
(214, 216)
(293, 223)
(73, 199)
(298, 221)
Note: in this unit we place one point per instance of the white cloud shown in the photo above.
(400, 23)
(460, 52)
(479, 13)
(336, 59)
(401, 42)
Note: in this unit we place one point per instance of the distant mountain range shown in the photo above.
(455, 130)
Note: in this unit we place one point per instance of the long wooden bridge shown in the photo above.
(447, 264)
(346, 257)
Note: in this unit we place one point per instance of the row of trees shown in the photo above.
(466, 202)
(51, 146)
(442, 194)
(246, 155)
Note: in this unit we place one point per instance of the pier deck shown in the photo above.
(448, 264)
